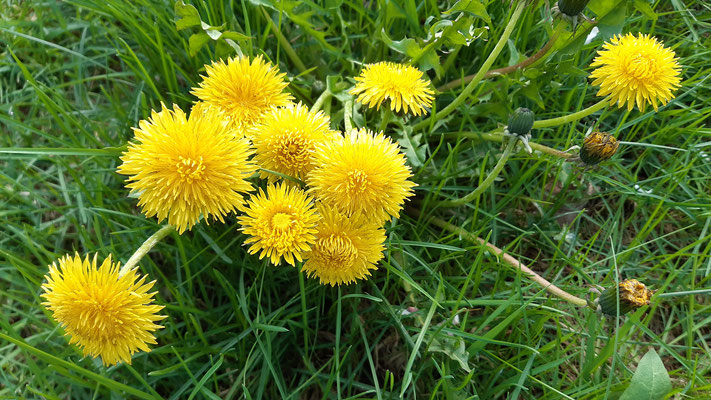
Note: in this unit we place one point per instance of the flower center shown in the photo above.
(357, 182)
(281, 221)
(292, 153)
(190, 169)
(337, 251)
(642, 66)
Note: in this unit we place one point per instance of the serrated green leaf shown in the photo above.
(427, 59)
(188, 14)
(650, 381)
(413, 148)
(645, 9)
(473, 7)
(454, 348)
(196, 42)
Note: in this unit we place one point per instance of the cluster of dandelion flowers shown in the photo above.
(280, 224)
(402, 84)
(182, 168)
(244, 90)
(347, 247)
(105, 313)
(286, 139)
(636, 69)
(362, 172)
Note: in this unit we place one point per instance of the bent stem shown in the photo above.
(510, 260)
(547, 123)
(487, 182)
(497, 137)
(482, 70)
(348, 114)
(146, 247)
(321, 99)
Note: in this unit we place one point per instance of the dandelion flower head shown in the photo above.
(182, 168)
(286, 139)
(280, 224)
(636, 69)
(362, 172)
(347, 247)
(244, 90)
(106, 314)
(402, 84)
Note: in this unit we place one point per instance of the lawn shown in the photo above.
(487, 283)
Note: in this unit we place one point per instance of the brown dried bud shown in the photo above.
(632, 294)
(597, 147)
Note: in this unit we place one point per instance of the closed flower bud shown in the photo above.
(572, 8)
(521, 121)
(632, 294)
(597, 147)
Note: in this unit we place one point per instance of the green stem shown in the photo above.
(482, 70)
(321, 99)
(510, 260)
(497, 137)
(145, 248)
(348, 114)
(386, 117)
(285, 43)
(547, 123)
(487, 182)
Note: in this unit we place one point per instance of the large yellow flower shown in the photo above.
(182, 168)
(401, 84)
(281, 223)
(362, 172)
(636, 69)
(286, 140)
(244, 90)
(106, 314)
(347, 247)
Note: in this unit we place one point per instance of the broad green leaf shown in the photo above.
(427, 58)
(188, 14)
(645, 9)
(650, 381)
(454, 348)
(473, 7)
(196, 42)
(415, 151)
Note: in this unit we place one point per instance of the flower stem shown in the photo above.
(321, 99)
(482, 70)
(497, 137)
(146, 247)
(348, 114)
(487, 182)
(547, 123)
(284, 43)
(510, 260)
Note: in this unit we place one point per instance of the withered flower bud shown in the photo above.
(632, 293)
(597, 147)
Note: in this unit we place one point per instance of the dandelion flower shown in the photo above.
(636, 69)
(286, 139)
(362, 172)
(106, 314)
(346, 248)
(401, 84)
(281, 223)
(182, 168)
(244, 90)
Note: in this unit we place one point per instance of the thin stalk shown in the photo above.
(321, 99)
(348, 114)
(487, 182)
(146, 247)
(285, 43)
(482, 70)
(510, 260)
(385, 119)
(497, 137)
(547, 123)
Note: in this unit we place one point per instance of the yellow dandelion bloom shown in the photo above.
(244, 90)
(636, 69)
(106, 314)
(362, 172)
(182, 168)
(286, 139)
(347, 247)
(402, 84)
(280, 223)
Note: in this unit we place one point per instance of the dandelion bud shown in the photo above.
(572, 8)
(598, 147)
(632, 294)
(521, 121)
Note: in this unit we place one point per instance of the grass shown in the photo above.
(76, 76)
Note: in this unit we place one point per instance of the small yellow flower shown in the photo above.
(636, 69)
(362, 172)
(346, 248)
(401, 84)
(182, 168)
(281, 223)
(106, 314)
(244, 90)
(286, 140)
